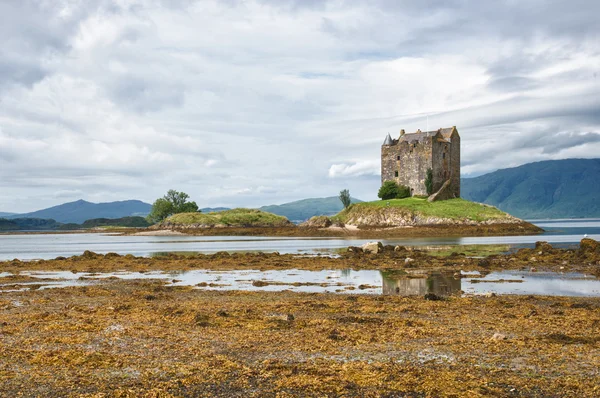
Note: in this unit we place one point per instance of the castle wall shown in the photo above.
(440, 163)
(388, 162)
(455, 165)
(410, 161)
(415, 159)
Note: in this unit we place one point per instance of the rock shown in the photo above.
(317, 222)
(532, 259)
(490, 294)
(543, 246)
(432, 297)
(588, 245)
(222, 313)
(372, 247)
(408, 260)
(533, 269)
(498, 337)
(399, 248)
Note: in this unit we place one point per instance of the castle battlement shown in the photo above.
(407, 159)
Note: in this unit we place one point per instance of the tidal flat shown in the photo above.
(131, 338)
(141, 338)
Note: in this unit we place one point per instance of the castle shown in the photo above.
(407, 159)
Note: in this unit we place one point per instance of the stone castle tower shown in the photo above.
(406, 160)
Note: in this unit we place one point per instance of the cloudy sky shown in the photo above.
(254, 102)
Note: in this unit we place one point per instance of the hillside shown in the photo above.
(4, 214)
(567, 188)
(81, 210)
(304, 209)
(417, 212)
(129, 222)
(28, 224)
(226, 218)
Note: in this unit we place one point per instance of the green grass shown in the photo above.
(233, 217)
(452, 209)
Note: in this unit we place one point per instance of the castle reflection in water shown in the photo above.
(419, 284)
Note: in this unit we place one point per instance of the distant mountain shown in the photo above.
(80, 211)
(304, 209)
(3, 214)
(567, 188)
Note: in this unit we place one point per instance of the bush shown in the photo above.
(429, 182)
(403, 192)
(391, 190)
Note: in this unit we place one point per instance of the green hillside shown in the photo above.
(28, 224)
(304, 209)
(567, 188)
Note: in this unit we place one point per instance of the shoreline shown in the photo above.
(509, 229)
(543, 257)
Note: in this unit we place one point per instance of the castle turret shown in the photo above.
(388, 140)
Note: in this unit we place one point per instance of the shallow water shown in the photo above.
(561, 233)
(404, 283)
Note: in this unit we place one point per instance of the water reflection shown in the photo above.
(403, 284)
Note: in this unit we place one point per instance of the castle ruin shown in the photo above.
(406, 160)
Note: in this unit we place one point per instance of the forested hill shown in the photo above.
(304, 209)
(80, 211)
(567, 188)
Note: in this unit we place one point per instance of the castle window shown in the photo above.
(396, 173)
(398, 158)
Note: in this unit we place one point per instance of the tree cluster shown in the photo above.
(172, 203)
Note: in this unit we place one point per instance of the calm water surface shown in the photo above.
(404, 283)
(562, 233)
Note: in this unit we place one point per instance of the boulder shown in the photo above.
(588, 245)
(317, 222)
(372, 247)
(543, 247)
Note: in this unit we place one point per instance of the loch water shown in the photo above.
(560, 233)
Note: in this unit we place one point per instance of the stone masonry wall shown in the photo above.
(410, 160)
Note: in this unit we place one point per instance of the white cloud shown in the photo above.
(357, 169)
(255, 102)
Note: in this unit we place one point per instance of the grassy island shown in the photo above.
(228, 218)
(419, 211)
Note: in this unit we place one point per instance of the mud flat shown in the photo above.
(135, 338)
(131, 338)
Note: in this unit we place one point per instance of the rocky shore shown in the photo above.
(140, 338)
(131, 338)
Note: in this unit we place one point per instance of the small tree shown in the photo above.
(429, 182)
(389, 190)
(172, 203)
(345, 198)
